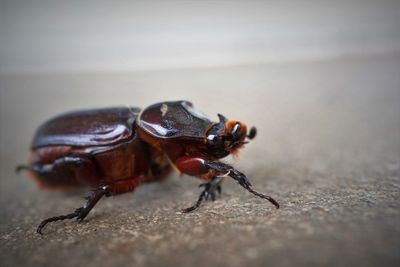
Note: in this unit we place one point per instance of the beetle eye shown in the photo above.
(235, 129)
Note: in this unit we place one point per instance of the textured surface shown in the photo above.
(328, 150)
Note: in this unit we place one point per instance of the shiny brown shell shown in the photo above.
(174, 120)
(95, 127)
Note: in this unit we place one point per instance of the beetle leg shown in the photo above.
(37, 168)
(240, 178)
(21, 167)
(205, 168)
(81, 212)
(209, 191)
(216, 188)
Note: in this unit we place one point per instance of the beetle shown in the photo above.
(114, 150)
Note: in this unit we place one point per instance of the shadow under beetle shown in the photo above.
(114, 150)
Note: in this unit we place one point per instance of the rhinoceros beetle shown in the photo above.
(114, 150)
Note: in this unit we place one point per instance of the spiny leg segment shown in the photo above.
(224, 170)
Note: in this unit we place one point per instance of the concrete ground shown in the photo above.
(328, 150)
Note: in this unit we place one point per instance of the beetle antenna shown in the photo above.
(252, 133)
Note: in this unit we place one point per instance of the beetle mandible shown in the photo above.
(114, 150)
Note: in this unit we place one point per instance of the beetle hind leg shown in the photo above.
(33, 167)
(209, 193)
(20, 168)
(81, 212)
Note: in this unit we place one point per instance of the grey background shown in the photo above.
(320, 81)
(77, 36)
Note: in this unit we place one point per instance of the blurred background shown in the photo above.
(319, 79)
(76, 36)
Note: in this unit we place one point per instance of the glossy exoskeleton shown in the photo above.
(113, 150)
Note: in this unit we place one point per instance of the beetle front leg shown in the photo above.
(212, 169)
(241, 179)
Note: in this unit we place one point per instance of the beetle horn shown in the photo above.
(222, 118)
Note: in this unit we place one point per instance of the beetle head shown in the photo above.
(227, 136)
